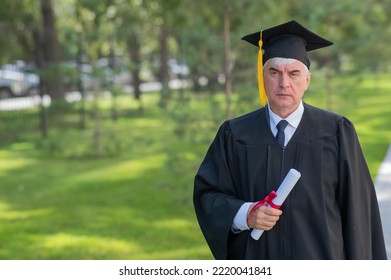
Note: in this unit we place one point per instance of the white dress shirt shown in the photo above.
(293, 122)
(240, 220)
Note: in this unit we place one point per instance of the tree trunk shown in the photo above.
(97, 127)
(164, 72)
(134, 53)
(51, 47)
(113, 87)
(228, 68)
(79, 61)
(39, 62)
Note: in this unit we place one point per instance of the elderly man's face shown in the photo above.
(285, 86)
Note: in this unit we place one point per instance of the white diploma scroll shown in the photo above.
(283, 191)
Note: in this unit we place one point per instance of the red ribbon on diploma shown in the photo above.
(268, 199)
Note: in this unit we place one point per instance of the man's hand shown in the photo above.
(264, 218)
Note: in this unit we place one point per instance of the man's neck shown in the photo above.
(284, 112)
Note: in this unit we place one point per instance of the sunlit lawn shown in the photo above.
(136, 203)
(111, 209)
(366, 102)
(124, 207)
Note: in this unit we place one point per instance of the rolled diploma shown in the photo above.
(283, 191)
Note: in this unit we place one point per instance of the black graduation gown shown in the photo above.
(332, 212)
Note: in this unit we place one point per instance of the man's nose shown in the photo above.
(284, 80)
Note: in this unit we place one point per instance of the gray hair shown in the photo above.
(277, 61)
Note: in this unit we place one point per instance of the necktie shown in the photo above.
(280, 134)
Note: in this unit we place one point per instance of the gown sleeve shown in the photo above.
(362, 227)
(214, 192)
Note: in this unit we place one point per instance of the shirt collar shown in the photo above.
(293, 119)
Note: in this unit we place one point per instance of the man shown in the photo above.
(332, 211)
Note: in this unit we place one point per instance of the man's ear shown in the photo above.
(308, 79)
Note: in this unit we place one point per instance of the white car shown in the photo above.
(15, 82)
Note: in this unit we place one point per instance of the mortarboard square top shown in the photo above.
(287, 40)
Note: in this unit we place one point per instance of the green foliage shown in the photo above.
(17, 21)
(13, 122)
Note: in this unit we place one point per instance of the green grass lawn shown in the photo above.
(135, 202)
(128, 206)
(367, 102)
(107, 209)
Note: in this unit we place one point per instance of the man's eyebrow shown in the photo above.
(277, 70)
(274, 69)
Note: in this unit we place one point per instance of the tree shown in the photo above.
(227, 67)
(165, 19)
(51, 50)
(18, 20)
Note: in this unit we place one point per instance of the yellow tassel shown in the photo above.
(261, 87)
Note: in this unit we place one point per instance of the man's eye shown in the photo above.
(295, 74)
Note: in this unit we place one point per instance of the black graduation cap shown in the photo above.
(287, 40)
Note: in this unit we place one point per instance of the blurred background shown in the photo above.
(108, 107)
